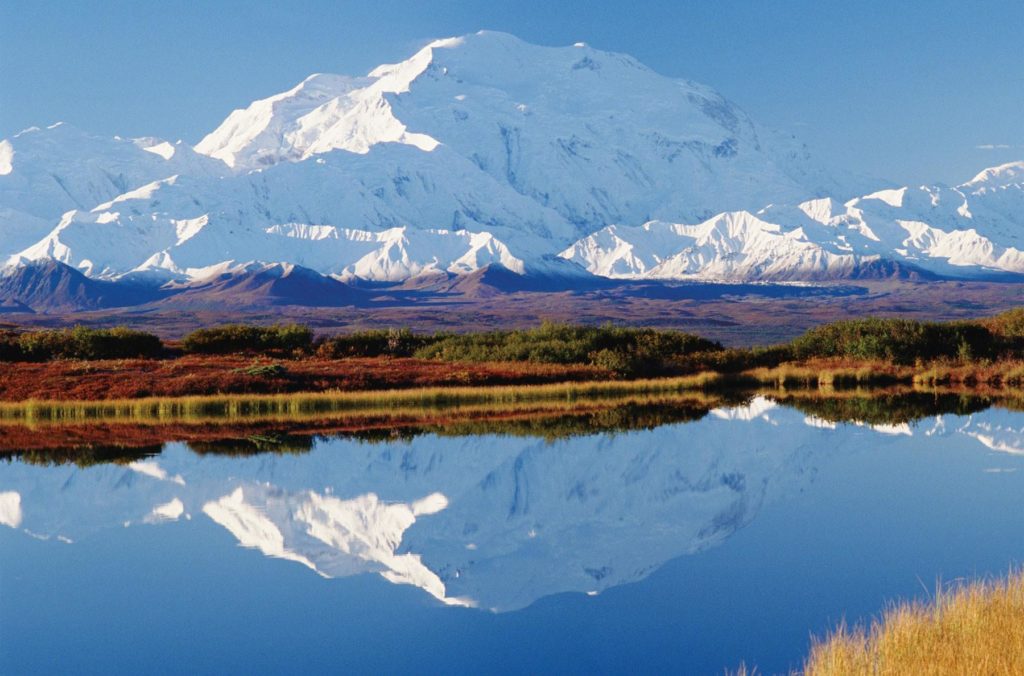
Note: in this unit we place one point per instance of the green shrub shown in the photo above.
(626, 351)
(80, 343)
(375, 343)
(10, 350)
(1008, 327)
(615, 361)
(1009, 324)
(241, 338)
(733, 360)
(263, 370)
(900, 341)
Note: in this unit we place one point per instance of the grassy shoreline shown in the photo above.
(118, 381)
(124, 433)
(967, 628)
(118, 365)
(825, 373)
(235, 406)
(811, 379)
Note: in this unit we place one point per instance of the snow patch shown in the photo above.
(152, 469)
(169, 511)
(332, 536)
(187, 228)
(1003, 175)
(10, 509)
(893, 198)
(164, 150)
(6, 157)
(142, 193)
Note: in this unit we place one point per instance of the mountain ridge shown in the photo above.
(480, 151)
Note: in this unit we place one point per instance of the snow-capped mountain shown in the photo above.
(972, 229)
(45, 173)
(484, 150)
(561, 126)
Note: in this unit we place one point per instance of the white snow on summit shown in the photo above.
(322, 113)
(484, 149)
(970, 230)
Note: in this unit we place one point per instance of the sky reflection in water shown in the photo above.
(690, 546)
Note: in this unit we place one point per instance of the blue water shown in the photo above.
(688, 548)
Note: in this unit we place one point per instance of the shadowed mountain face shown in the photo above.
(51, 286)
(887, 269)
(267, 286)
(495, 280)
(11, 306)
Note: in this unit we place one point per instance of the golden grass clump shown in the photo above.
(830, 373)
(975, 628)
(997, 374)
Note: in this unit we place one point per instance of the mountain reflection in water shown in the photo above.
(494, 515)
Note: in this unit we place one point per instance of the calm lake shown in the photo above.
(687, 543)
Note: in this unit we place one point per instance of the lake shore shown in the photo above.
(216, 375)
(102, 365)
(966, 628)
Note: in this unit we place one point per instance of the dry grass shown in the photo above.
(830, 374)
(827, 379)
(543, 419)
(836, 373)
(190, 376)
(296, 406)
(998, 374)
(973, 628)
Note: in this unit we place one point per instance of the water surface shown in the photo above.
(690, 543)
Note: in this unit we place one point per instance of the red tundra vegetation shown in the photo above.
(220, 374)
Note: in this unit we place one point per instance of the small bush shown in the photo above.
(79, 343)
(240, 338)
(375, 343)
(1009, 324)
(626, 351)
(733, 360)
(263, 370)
(613, 360)
(900, 341)
(1008, 328)
(10, 350)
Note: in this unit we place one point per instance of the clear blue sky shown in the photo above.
(903, 90)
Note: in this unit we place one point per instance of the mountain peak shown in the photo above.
(485, 150)
(1005, 174)
(324, 112)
